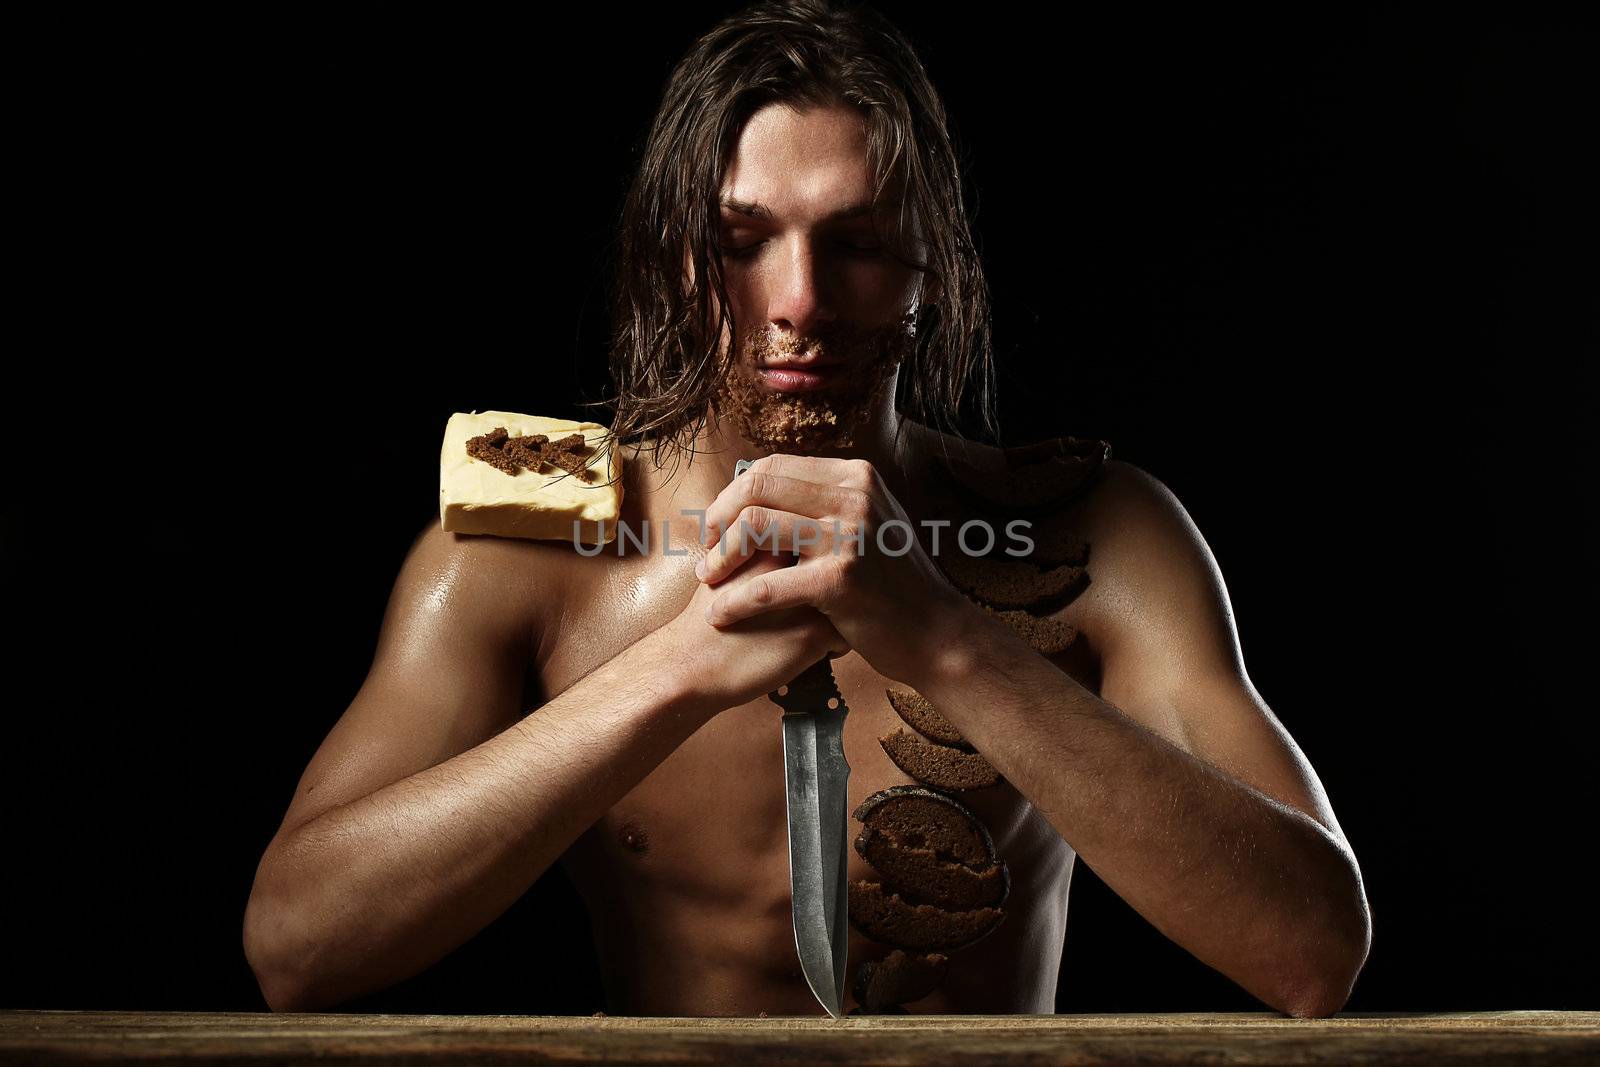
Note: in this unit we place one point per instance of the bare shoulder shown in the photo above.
(1134, 520)
(1153, 572)
(526, 587)
(1126, 501)
(506, 591)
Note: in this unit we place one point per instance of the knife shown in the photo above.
(816, 780)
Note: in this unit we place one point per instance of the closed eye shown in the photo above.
(745, 251)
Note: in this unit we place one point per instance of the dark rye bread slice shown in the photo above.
(1030, 479)
(891, 919)
(924, 718)
(933, 879)
(921, 818)
(1044, 634)
(933, 846)
(940, 766)
(898, 978)
(1003, 582)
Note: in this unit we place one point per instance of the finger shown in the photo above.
(856, 474)
(760, 530)
(755, 563)
(805, 584)
(757, 488)
(737, 554)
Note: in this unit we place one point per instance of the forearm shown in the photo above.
(1252, 887)
(376, 890)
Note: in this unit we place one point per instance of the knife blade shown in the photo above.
(816, 778)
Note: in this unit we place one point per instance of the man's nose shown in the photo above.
(797, 298)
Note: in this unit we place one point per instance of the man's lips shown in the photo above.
(801, 362)
(793, 377)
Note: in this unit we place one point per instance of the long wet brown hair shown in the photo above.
(804, 53)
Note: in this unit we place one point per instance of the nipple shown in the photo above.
(633, 837)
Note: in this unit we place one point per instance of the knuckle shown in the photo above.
(860, 473)
(755, 519)
(757, 484)
(860, 506)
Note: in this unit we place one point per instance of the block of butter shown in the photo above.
(527, 476)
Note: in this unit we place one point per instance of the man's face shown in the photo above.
(824, 313)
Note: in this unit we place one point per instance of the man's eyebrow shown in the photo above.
(759, 211)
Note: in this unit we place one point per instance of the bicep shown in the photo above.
(1172, 659)
(447, 675)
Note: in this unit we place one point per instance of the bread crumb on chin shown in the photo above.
(810, 422)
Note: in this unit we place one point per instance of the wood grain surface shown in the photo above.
(1245, 1039)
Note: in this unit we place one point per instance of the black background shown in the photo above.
(1329, 277)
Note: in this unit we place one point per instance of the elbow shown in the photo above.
(1323, 982)
(1316, 1000)
(265, 949)
(275, 946)
(283, 994)
(1322, 987)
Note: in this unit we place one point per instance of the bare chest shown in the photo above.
(687, 877)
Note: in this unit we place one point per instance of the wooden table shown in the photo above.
(1244, 1039)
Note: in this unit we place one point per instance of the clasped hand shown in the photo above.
(857, 559)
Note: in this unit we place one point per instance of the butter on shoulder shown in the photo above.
(540, 500)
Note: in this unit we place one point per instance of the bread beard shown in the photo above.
(823, 420)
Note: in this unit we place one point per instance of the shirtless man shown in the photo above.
(529, 704)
